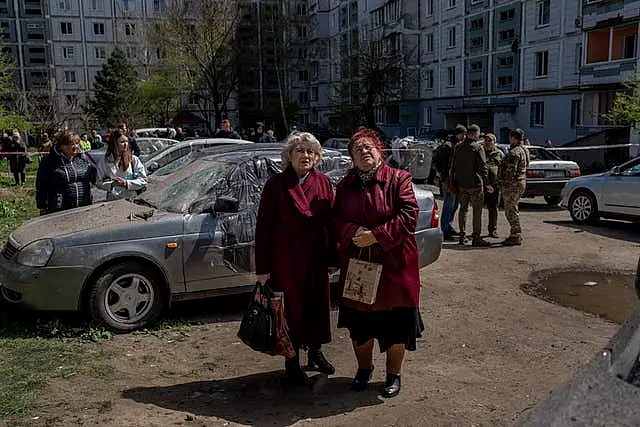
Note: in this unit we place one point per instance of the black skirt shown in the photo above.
(401, 325)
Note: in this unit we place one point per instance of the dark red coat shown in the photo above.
(294, 245)
(387, 206)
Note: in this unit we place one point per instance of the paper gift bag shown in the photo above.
(362, 281)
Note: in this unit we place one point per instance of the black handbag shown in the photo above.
(258, 326)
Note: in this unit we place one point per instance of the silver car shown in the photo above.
(189, 236)
(614, 194)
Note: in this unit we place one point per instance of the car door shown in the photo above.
(621, 192)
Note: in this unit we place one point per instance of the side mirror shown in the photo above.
(615, 170)
(225, 204)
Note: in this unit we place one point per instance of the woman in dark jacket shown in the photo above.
(17, 162)
(375, 215)
(64, 177)
(294, 249)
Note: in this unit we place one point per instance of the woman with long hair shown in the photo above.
(120, 173)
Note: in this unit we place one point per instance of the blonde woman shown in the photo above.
(120, 173)
(294, 249)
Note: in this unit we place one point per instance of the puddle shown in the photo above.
(608, 295)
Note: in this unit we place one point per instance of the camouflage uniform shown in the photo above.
(513, 176)
(494, 159)
(468, 174)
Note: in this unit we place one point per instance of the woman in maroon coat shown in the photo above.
(294, 249)
(375, 215)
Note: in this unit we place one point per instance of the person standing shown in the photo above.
(442, 164)
(85, 144)
(492, 199)
(225, 130)
(513, 180)
(120, 173)
(133, 143)
(17, 161)
(375, 215)
(469, 175)
(261, 137)
(295, 250)
(64, 177)
(96, 140)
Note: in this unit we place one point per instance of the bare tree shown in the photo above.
(198, 43)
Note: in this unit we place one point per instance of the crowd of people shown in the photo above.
(474, 171)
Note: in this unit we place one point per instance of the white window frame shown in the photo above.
(537, 114)
(542, 64)
(451, 76)
(66, 26)
(97, 26)
(100, 52)
(70, 77)
(429, 8)
(428, 116)
(451, 4)
(68, 52)
(429, 78)
(542, 7)
(64, 4)
(451, 36)
(429, 43)
(97, 4)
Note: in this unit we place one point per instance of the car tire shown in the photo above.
(583, 207)
(126, 297)
(553, 200)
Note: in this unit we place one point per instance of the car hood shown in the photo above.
(553, 164)
(587, 178)
(95, 217)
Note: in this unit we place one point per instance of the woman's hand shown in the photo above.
(119, 182)
(262, 278)
(364, 238)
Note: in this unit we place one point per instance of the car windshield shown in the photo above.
(173, 166)
(537, 153)
(151, 145)
(632, 168)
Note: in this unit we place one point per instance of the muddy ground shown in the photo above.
(490, 351)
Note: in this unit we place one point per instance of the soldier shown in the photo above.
(494, 158)
(468, 174)
(513, 175)
(441, 163)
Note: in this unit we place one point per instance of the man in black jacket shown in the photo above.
(226, 131)
(261, 136)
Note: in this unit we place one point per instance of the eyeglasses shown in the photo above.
(361, 148)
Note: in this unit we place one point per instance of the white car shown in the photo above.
(614, 194)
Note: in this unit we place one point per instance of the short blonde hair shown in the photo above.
(296, 138)
(490, 137)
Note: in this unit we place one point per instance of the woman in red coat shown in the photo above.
(294, 249)
(375, 215)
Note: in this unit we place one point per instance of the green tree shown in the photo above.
(626, 104)
(160, 98)
(116, 92)
(10, 94)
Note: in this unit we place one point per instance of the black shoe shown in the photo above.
(462, 240)
(293, 373)
(317, 362)
(392, 386)
(479, 242)
(449, 237)
(361, 380)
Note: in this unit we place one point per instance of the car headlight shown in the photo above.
(36, 254)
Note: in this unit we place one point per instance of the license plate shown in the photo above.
(554, 174)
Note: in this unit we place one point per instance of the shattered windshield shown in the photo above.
(175, 165)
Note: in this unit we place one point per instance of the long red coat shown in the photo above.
(294, 245)
(387, 206)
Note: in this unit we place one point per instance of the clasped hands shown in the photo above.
(364, 238)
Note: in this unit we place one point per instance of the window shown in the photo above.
(131, 52)
(71, 100)
(302, 9)
(68, 52)
(537, 114)
(477, 42)
(156, 5)
(303, 75)
(69, 76)
(101, 53)
(314, 93)
(303, 97)
(507, 15)
(578, 57)
(611, 44)
(127, 5)
(451, 76)
(452, 4)
(302, 32)
(315, 70)
(429, 7)
(130, 29)
(98, 29)
(476, 66)
(505, 62)
(629, 47)
(507, 35)
(544, 12)
(97, 4)
(542, 64)
(452, 37)
(427, 116)
(64, 4)
(66, 28)
(477, 24)
(429, 43)
(505, 81)
(476, 84)
(429, 79)
(576, 113)
(392, 113)
(378, 112)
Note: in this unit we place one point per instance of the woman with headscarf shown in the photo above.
(375, 215)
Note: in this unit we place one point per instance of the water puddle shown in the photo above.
(608, 295)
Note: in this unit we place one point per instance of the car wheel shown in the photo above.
(583, 208)
(553, 200)
(127, 297)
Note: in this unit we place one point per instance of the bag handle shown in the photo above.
(368, 250)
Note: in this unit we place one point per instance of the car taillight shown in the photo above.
(535, 173)
(573, 173)
(435, 217)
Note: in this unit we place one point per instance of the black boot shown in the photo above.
(391, 386)
(293, 373)
(361, 380)
(317, 362)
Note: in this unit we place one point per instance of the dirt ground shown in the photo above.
(489, 352)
